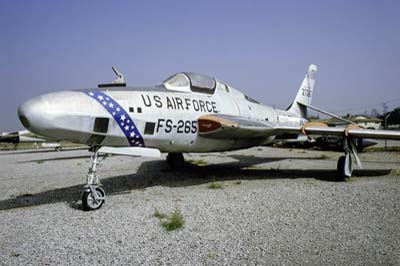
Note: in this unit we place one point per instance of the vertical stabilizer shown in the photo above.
(304, 95)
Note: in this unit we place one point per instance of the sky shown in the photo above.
(262, 48)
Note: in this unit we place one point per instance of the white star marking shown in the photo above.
(123, 117)
(118, 109)
(100, 97)
(91, 93)
(111, 105)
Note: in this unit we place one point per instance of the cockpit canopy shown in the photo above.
(190, 82)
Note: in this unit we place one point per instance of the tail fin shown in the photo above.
(304, 94)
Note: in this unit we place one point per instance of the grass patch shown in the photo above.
(238, 182)
(159, 214)
(40, 161)
(170, 222)
(310, 182)
(15, 254)
(394, 172)
(197, 162)
(215, 185)
(276, 169)
(211, 255)
(174, 221)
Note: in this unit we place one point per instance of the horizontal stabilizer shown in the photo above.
(131, 151)
(330, 114)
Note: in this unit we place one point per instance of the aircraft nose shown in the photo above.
(32, 113)
(62, 115)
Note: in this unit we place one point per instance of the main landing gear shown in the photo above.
(175, 160)
(344, 167)
(344, 164)
(93, 194)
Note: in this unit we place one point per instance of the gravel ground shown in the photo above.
(277, 207)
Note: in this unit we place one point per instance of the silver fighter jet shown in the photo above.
(188, 112)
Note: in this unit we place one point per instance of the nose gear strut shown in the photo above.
(93, 195)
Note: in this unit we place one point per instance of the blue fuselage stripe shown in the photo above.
(121, 117)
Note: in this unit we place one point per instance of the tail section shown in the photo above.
(304, 95)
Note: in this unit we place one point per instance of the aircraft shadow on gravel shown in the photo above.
(158, 173)
(49, 150)
(56, 159)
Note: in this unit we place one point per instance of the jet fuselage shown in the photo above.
(152, 117)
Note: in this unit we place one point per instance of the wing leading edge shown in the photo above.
(351, 131)
(226, 126)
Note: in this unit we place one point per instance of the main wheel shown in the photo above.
(175, 160)
(89, 203)
(341, 173)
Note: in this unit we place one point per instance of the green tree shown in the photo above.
(394, 118)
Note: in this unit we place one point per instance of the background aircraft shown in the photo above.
(188, 112)
(20, 136)
(25, 136)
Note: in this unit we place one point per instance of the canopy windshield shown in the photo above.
(191, 82)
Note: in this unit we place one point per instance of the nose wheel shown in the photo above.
(93, 196)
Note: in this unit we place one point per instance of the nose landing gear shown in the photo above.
(93, 195)
(93, 198)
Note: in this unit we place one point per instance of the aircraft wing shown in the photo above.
(227, 126)
(224, 126)
(349, 131)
